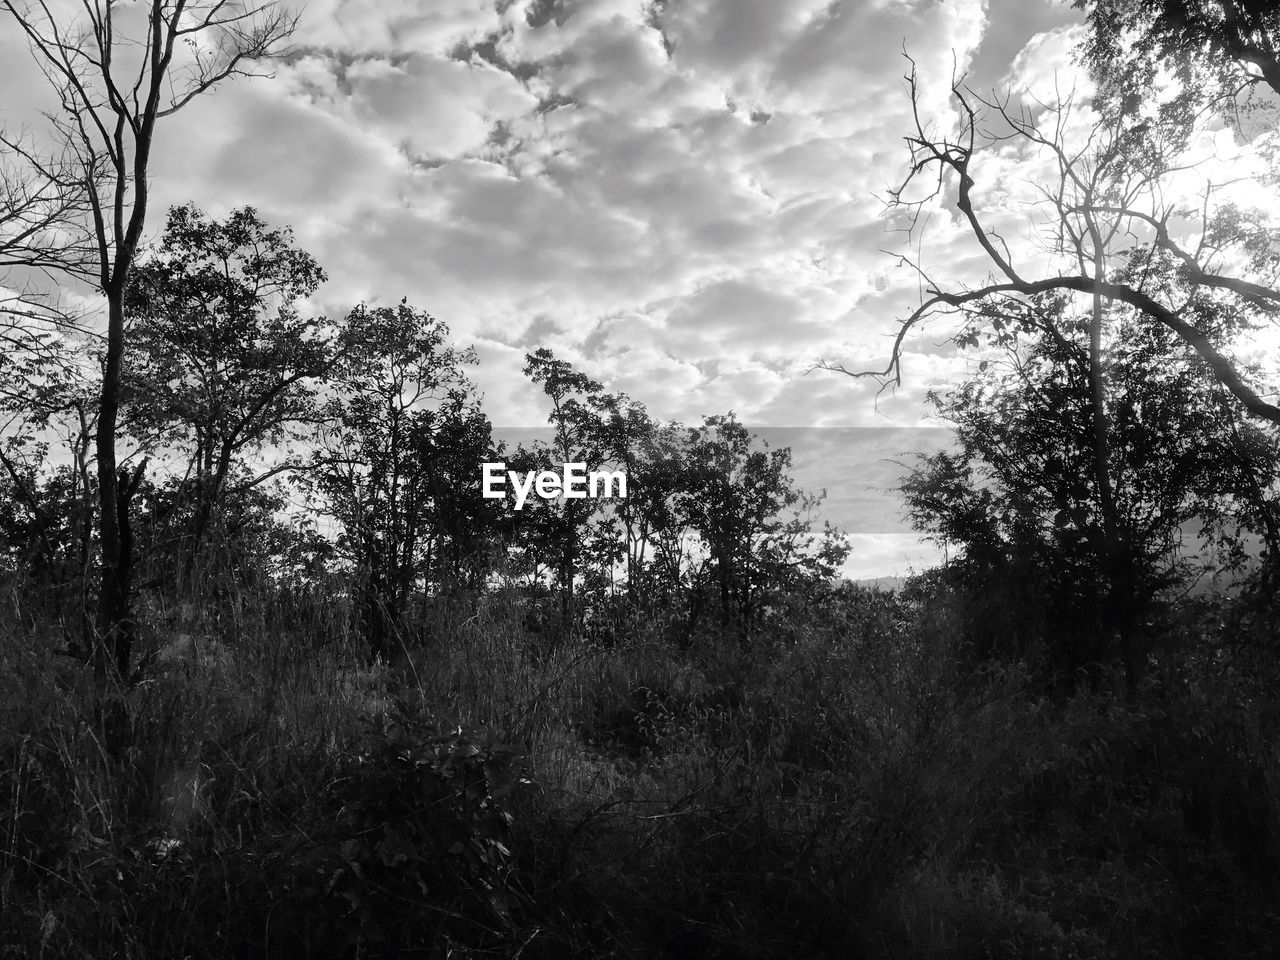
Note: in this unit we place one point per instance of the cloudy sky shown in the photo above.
(683, 198)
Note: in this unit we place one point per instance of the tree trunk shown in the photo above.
(84, 539)
(125, 627)
(1118, 580)
(373, 613)
(567, 574)
(210, 492)
(109, 122)
(113, 599)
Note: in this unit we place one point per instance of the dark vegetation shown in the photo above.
(307, 694)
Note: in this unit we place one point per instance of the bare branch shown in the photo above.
(1100, 197)
(107, 126)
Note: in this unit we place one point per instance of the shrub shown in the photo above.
(418, 852)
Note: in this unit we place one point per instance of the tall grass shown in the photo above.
(850, 785)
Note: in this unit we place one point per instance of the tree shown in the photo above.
(1121, 232)
(625, 428)
(118, 72)
(1214, 50)
(224, 362)
(38, 528)
(653, 541)
(576, 421)
(660, 529)
(590, 539)
(462, 529)
(259, 546)
(1117, 177)
(1020, 499)
(399, 391)
(43, 203)
(754, 524)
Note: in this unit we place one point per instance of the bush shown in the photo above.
(417, 855)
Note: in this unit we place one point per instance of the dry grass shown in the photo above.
(853, 790)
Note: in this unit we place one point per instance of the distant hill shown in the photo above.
(883, 584)
(1224, 583)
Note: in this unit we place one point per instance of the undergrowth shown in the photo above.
(854, 785)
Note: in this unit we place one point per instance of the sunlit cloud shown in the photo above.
(687, 200)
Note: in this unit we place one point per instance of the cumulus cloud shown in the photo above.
(436, 108)
(395, 26)
(685, 198)
(1045, 67)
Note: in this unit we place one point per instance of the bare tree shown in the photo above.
(42, 230)
(118, 70)
(1113, 184)
(42, 202)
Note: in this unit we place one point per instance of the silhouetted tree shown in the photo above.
(1110, 196)
(1214, 50)
(576, 422)
(118, 71)
(754, 524)
(1021, 499)
(223, 361)
(398, 389)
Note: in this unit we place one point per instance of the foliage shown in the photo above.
(421, 823)
(556, 532)
(1213, 50)
(849, 786)
(1020, 500)
(98, 164)
(224, 362)
(707, 512)
(736, 497)
(402, 429)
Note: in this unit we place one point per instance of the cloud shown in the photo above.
(737, 309)
(685, 199)
(889, 555)
(435, 108)
(1045, 67)
(536, 172)
(395, 26)
(308, 155)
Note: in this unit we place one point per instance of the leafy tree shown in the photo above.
(1021, 500)
(1120, 232)
(1212, 48)
(625, 427)
(224, 362)
(463, 529)
(700, 503)
(40, 527)
(258, 546)
(576, 421)
(753, 523)
(43, 396)
(399, 394)
(642, 534)
(656, 535)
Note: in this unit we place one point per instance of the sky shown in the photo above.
(685, 199)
